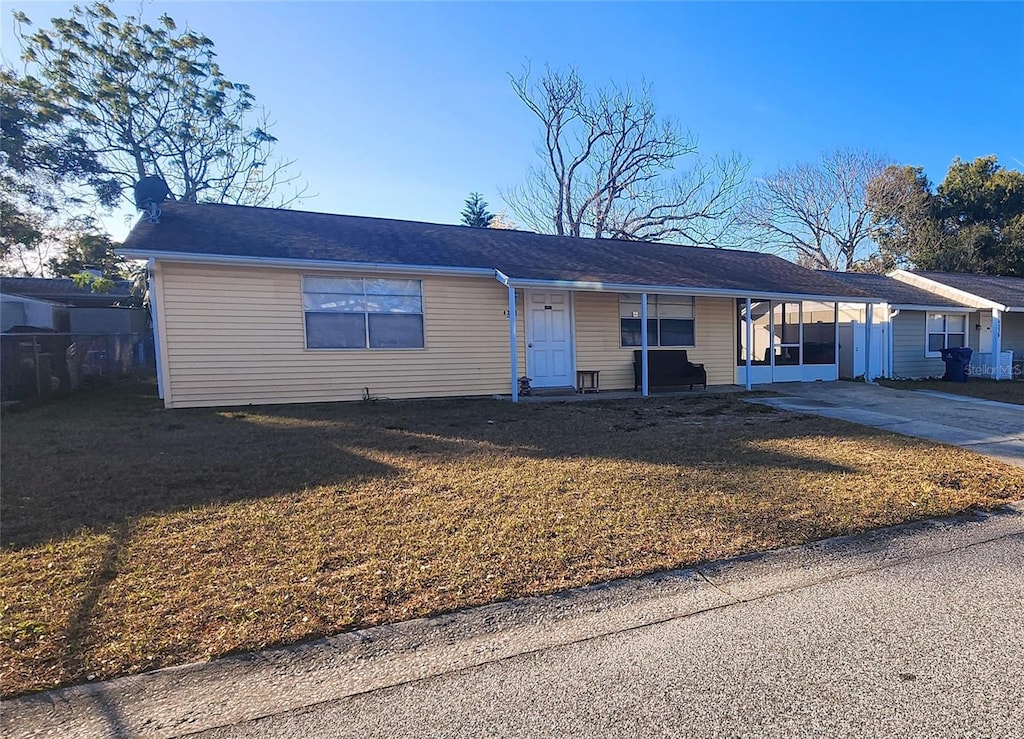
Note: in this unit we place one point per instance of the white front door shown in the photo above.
(986, 339)
(549, 339)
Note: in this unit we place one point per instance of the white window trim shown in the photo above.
(653, 304)
(945, 331)
(367, 347)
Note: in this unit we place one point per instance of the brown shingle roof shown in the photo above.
(1008, 291)
(239, 231)
(893, 291)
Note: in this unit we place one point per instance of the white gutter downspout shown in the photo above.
(645, 388)
(890, 364)
(150, 266)
(749, 324)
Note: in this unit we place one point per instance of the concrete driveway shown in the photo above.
(984, 426)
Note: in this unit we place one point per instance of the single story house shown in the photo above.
(921, 313)
(995, 327)
(259, 305)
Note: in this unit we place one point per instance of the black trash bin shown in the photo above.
(957, 360)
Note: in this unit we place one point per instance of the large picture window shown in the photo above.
(945, 331)
(669, 320)
(362, 313)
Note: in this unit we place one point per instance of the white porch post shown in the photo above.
(645, 389)
(512, 343)
(750, 343)
(868, 315)
(997, 342)
(835, 336)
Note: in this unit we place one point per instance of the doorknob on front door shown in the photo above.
(529, 346)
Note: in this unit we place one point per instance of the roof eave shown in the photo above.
(618, 287)
(318, 264)
(933, 308)
(975, 301)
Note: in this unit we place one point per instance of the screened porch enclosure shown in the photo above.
(786, 341)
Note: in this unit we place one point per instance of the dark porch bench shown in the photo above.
(667, 368)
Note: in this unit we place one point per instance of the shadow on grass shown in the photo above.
(98, 461)
(489, 500)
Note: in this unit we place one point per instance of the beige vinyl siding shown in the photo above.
(235, 336)
(909, 342)
(597, 339)
(598, 344)
(716, 339)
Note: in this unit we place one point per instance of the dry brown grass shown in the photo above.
(135, 538)
(1006, 391)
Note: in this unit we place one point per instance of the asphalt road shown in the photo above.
(927, 647)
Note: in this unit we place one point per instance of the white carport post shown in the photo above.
(645, 388)
(868, 315)
(997, 342)
(512, 343)
(749, 324)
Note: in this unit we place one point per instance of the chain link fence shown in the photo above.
(34, 365)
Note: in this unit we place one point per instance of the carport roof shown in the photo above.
(231, 233)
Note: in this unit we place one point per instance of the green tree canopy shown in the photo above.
(44, 169)
(475, 213)
(89, 249)
(151, 100)
(973, 221)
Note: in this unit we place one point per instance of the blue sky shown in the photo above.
(400, 110)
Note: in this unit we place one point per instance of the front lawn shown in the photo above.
(1006, 391)
(135, 537)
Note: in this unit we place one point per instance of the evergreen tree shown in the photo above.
(973, 221)
(475, 213)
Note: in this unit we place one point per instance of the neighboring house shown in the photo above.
(21, 311)
(921, 313)
(995, 328)
(256, 305)
(909, 327)
(58, 304)
(54, 334)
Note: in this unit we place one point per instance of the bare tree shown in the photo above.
(609, 168)
(503, 222)
(815, 214)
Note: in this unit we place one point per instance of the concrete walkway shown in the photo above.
(985, 426)
(909, 631)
